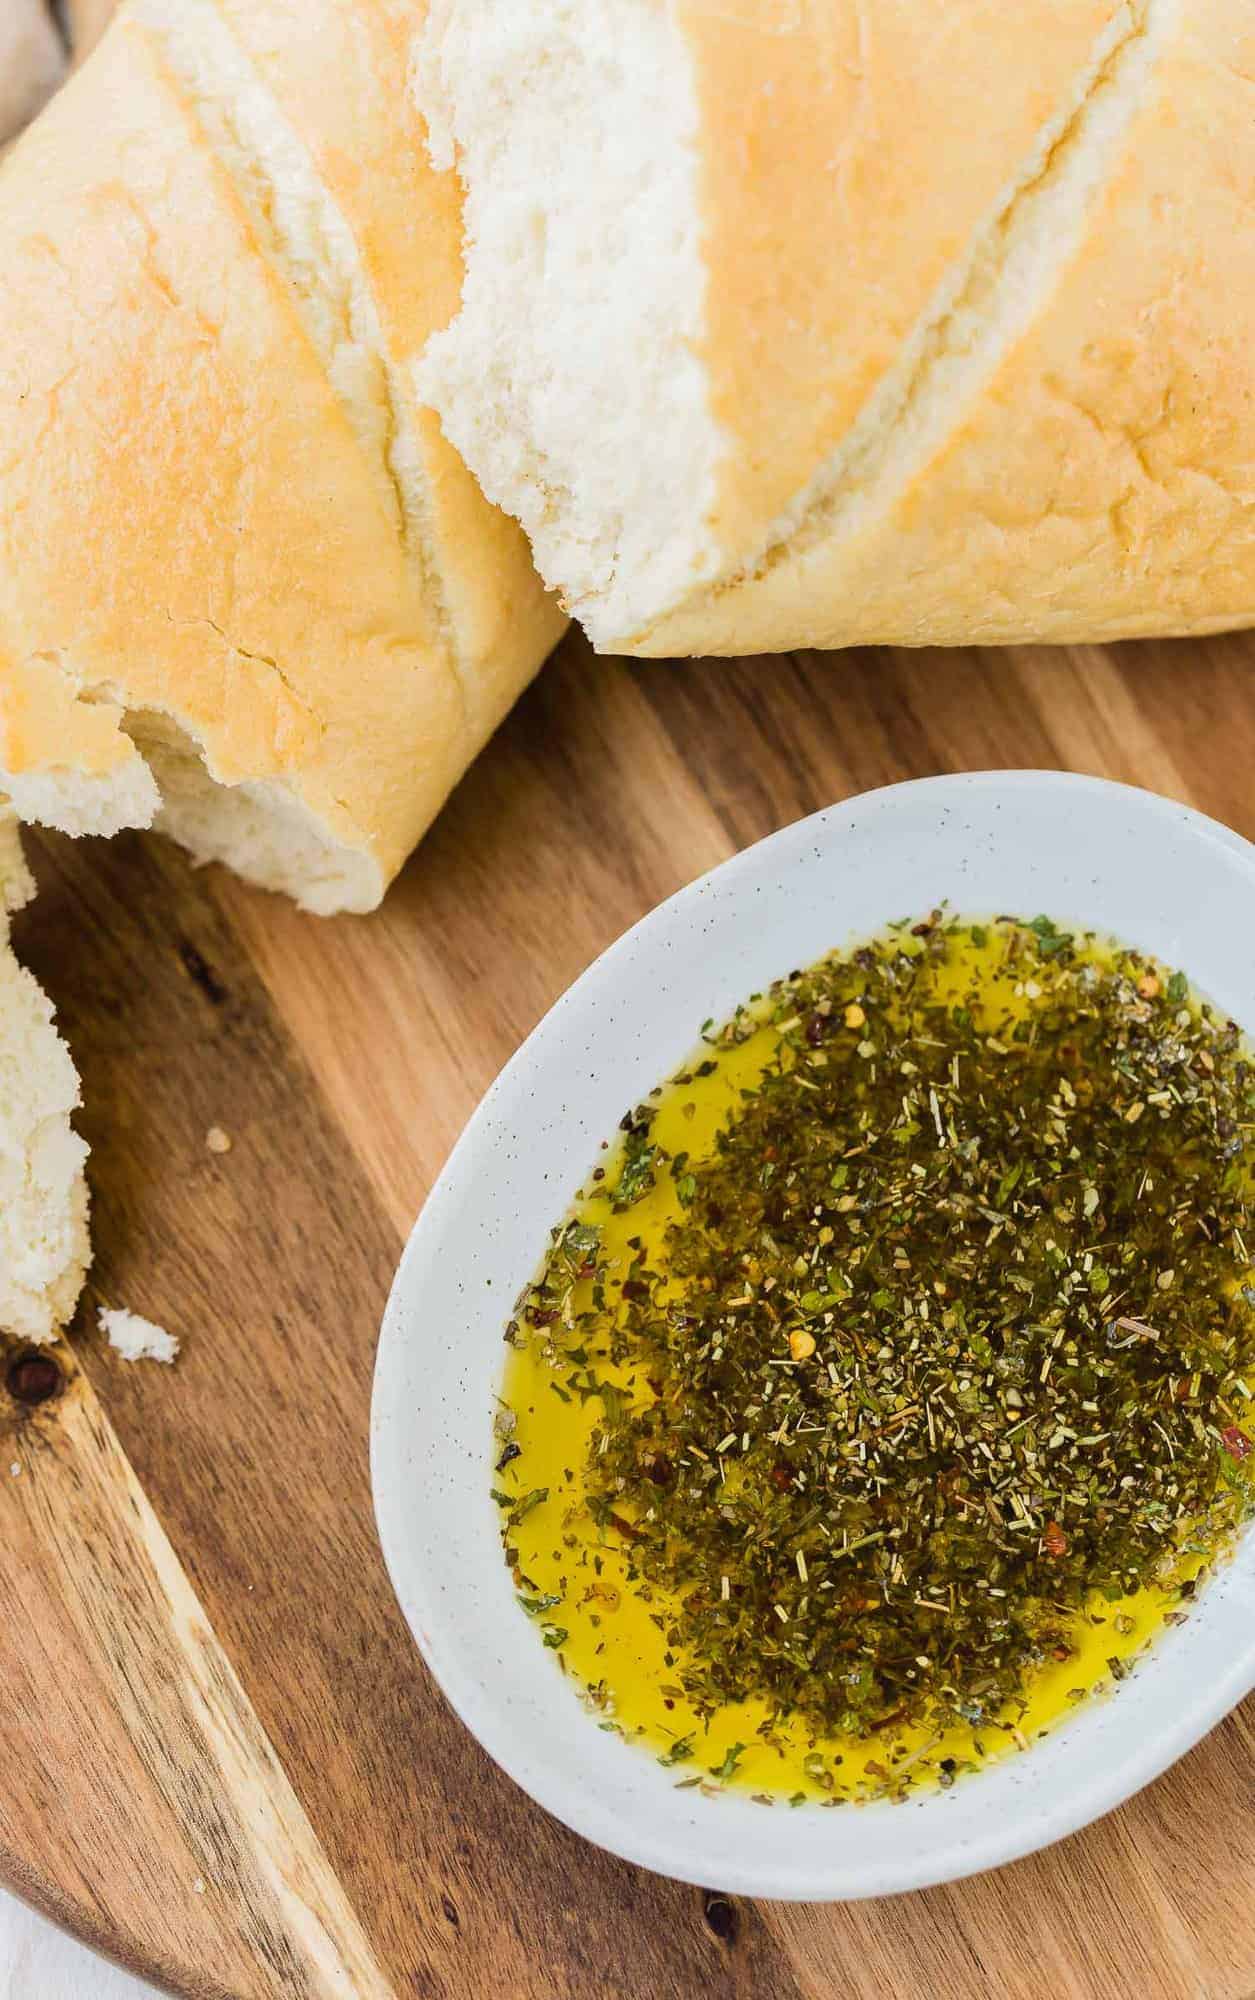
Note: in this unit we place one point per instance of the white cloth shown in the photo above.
(38, 1962)
(32, 61)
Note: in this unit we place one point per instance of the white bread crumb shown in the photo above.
(522, 98)
(136, 1338)
(217, 1140)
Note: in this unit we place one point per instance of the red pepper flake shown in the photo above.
(1235, 1442)
(633, 1533)
(1054, 1542)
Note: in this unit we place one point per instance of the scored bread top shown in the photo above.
(368, 148)
(1113, 445)
(847, 156)
(214, 515)
(1076, 466)
(943, 335)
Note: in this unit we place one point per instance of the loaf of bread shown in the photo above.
(799, 322)
(43, 1194)
(32, 61)
(249, 592)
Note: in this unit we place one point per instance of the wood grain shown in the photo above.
(203, 1676)
(184, 1776)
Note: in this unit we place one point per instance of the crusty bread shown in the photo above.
(43, 1193)
(248, 593)
(32, 62)
(794, 322)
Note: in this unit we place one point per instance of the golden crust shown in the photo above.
(188, 521)
(43, 727)
(848, 154)
(1095, 479)
(1106, 475)
(369, 145)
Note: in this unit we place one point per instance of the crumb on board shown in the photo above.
(136, 1338)
(217, 1140)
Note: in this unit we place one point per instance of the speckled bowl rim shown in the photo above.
(1153, 872)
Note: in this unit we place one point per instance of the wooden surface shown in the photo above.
(220, 1756)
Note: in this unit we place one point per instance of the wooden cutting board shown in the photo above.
(221, 1759)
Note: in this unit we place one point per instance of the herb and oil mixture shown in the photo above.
(887, 1387)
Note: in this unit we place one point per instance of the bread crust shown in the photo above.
(847, 155)
(1096, 481)
(977, 360)
(369, 145)
(190, 526)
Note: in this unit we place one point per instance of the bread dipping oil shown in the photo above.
(885, 1391)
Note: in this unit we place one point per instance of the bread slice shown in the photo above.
(794, 322)
(32, 62)
(43, 1193)
(248, 593)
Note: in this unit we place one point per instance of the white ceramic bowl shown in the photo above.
(1154, 874)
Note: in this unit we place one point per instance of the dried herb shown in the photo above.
(730, 1762)
(636, 1175)
(679, 1753)
(952, 1331)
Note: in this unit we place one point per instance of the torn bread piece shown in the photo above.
(788, 322)
(44, 1249)
(136, 1338)
(248, 592)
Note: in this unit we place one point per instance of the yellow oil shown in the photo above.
(609, 1639)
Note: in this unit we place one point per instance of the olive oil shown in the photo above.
(576, 1384)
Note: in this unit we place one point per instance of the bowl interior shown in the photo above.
(1154, 874)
